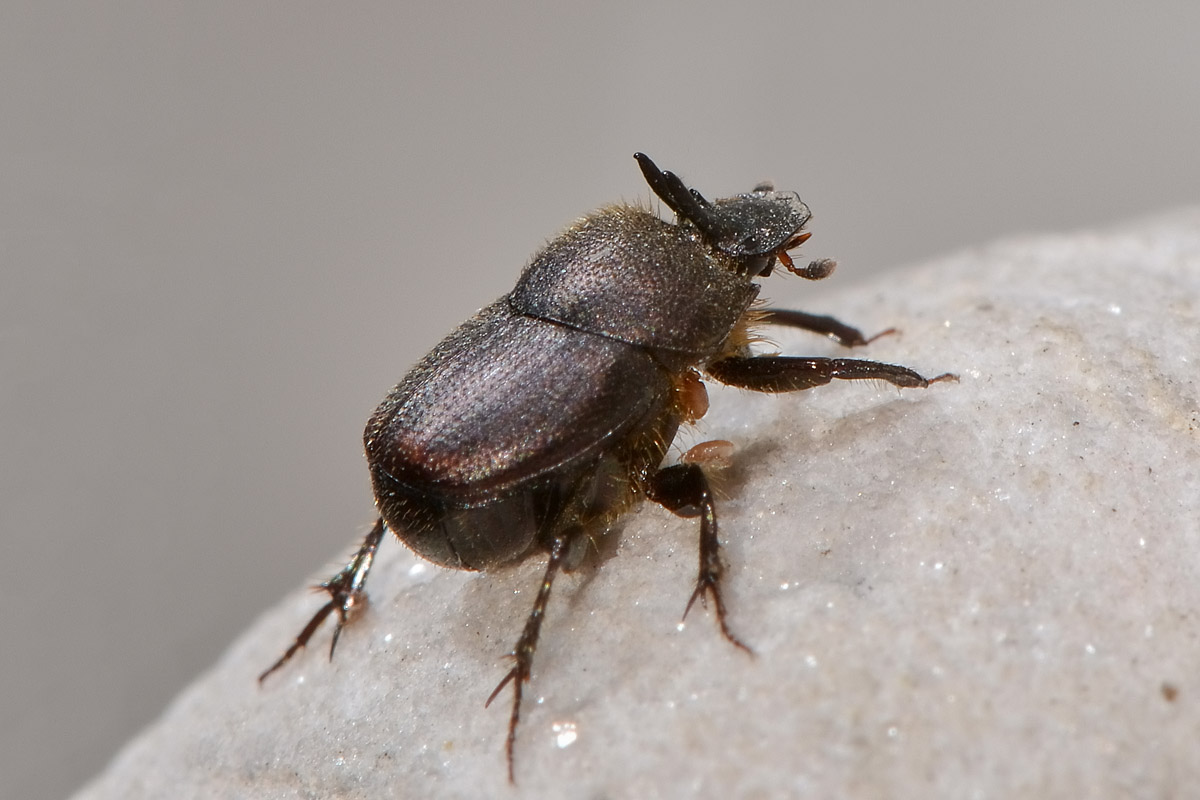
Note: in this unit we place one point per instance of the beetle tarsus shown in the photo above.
(886, 332)
(683, 490)
(526, 646)
(346, 594)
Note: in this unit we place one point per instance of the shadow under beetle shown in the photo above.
(542, 419)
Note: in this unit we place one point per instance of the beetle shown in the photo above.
(542, 419)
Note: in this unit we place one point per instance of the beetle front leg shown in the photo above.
(840, 332)
(794, 373)
(683, 489)
(527, 645)
(346, 592)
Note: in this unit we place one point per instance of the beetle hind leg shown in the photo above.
(518, 676)
(683, 489)
(346, 594)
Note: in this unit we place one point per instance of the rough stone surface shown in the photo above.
(984, 589)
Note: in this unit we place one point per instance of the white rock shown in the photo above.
(983, 589)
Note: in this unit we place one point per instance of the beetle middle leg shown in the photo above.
(346, 592)
(795, 373)
(683, 489)
(527, 644)
(840, 332)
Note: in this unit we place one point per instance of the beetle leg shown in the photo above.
(794, 373)
(527, 644)
(683, 489)
(840, 332)
(346, 593)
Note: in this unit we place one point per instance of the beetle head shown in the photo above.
(753, 227)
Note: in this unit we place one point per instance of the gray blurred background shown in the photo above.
(227, 228)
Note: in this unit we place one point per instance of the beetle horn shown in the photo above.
(687, 203)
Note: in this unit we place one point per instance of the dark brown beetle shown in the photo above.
(542, 419)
